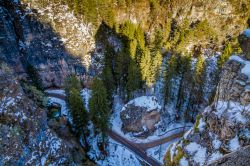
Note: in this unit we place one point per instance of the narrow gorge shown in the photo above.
(124, 82)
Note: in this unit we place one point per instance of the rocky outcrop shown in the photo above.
(240, 157)
(222, 127)
(25, 135)
(51, 39)
(140, 116)
(244, 40)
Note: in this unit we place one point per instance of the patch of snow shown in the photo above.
(86, 94)
(201, 125)
(118, 155)
(172, 150)
(234, 143)
(62, 103)
(215, 156)
(216, 143)
(246, 69)
(198, 152)
(10, 102)
(247, 33)
(56, 91)
(187, 133)
(233, 111)
(159, 152)
(43, 161)
(184, 162)
(149, 102)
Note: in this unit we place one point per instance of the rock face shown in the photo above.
(140, 116)
(244, 40)
(25, 135)
(223, 127)
(240, 157)
(54, 41)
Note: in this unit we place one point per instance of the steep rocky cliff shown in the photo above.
(51, 39)
(222, 127)
(25, 135)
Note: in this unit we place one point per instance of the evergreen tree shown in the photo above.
(158, 41)
(108, 80)
(156, 65)
(77, 110)
(76, 106)
(99, 108)
(139, 35)
(186, 82)
(134, 78)
(132, 49)
(197, 88)
(71, 82)
(225, 55)
(145, 65)
(171, 72)
(34, 76)
(108, 72)
(199, 70)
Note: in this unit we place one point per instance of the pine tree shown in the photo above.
(71, 82)
(156, 63)
(186, 80)
(171, 72)
(225, 55)
(134, 78)
(99, 109)
(34, 76)
(109, 82)
(76, 106)
(77, 110)
(199, 70)
(145, 65)
(132, 49)
(197, 85)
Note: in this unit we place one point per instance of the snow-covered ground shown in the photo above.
(116, 122)
(158, 152)
(118, 154)
(149, 102)
(62, 103)
(246, 69)
(247, 32)
(56, 91)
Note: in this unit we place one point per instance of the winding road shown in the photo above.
(138, 148)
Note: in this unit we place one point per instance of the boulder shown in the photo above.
(140, 118)
(244, 40)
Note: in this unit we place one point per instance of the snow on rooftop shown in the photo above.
(247, 33)
(198, 152)
(149, 102)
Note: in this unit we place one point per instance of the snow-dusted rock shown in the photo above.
(244, 40)
(26, 138)
(223, 127)
(140, 116)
